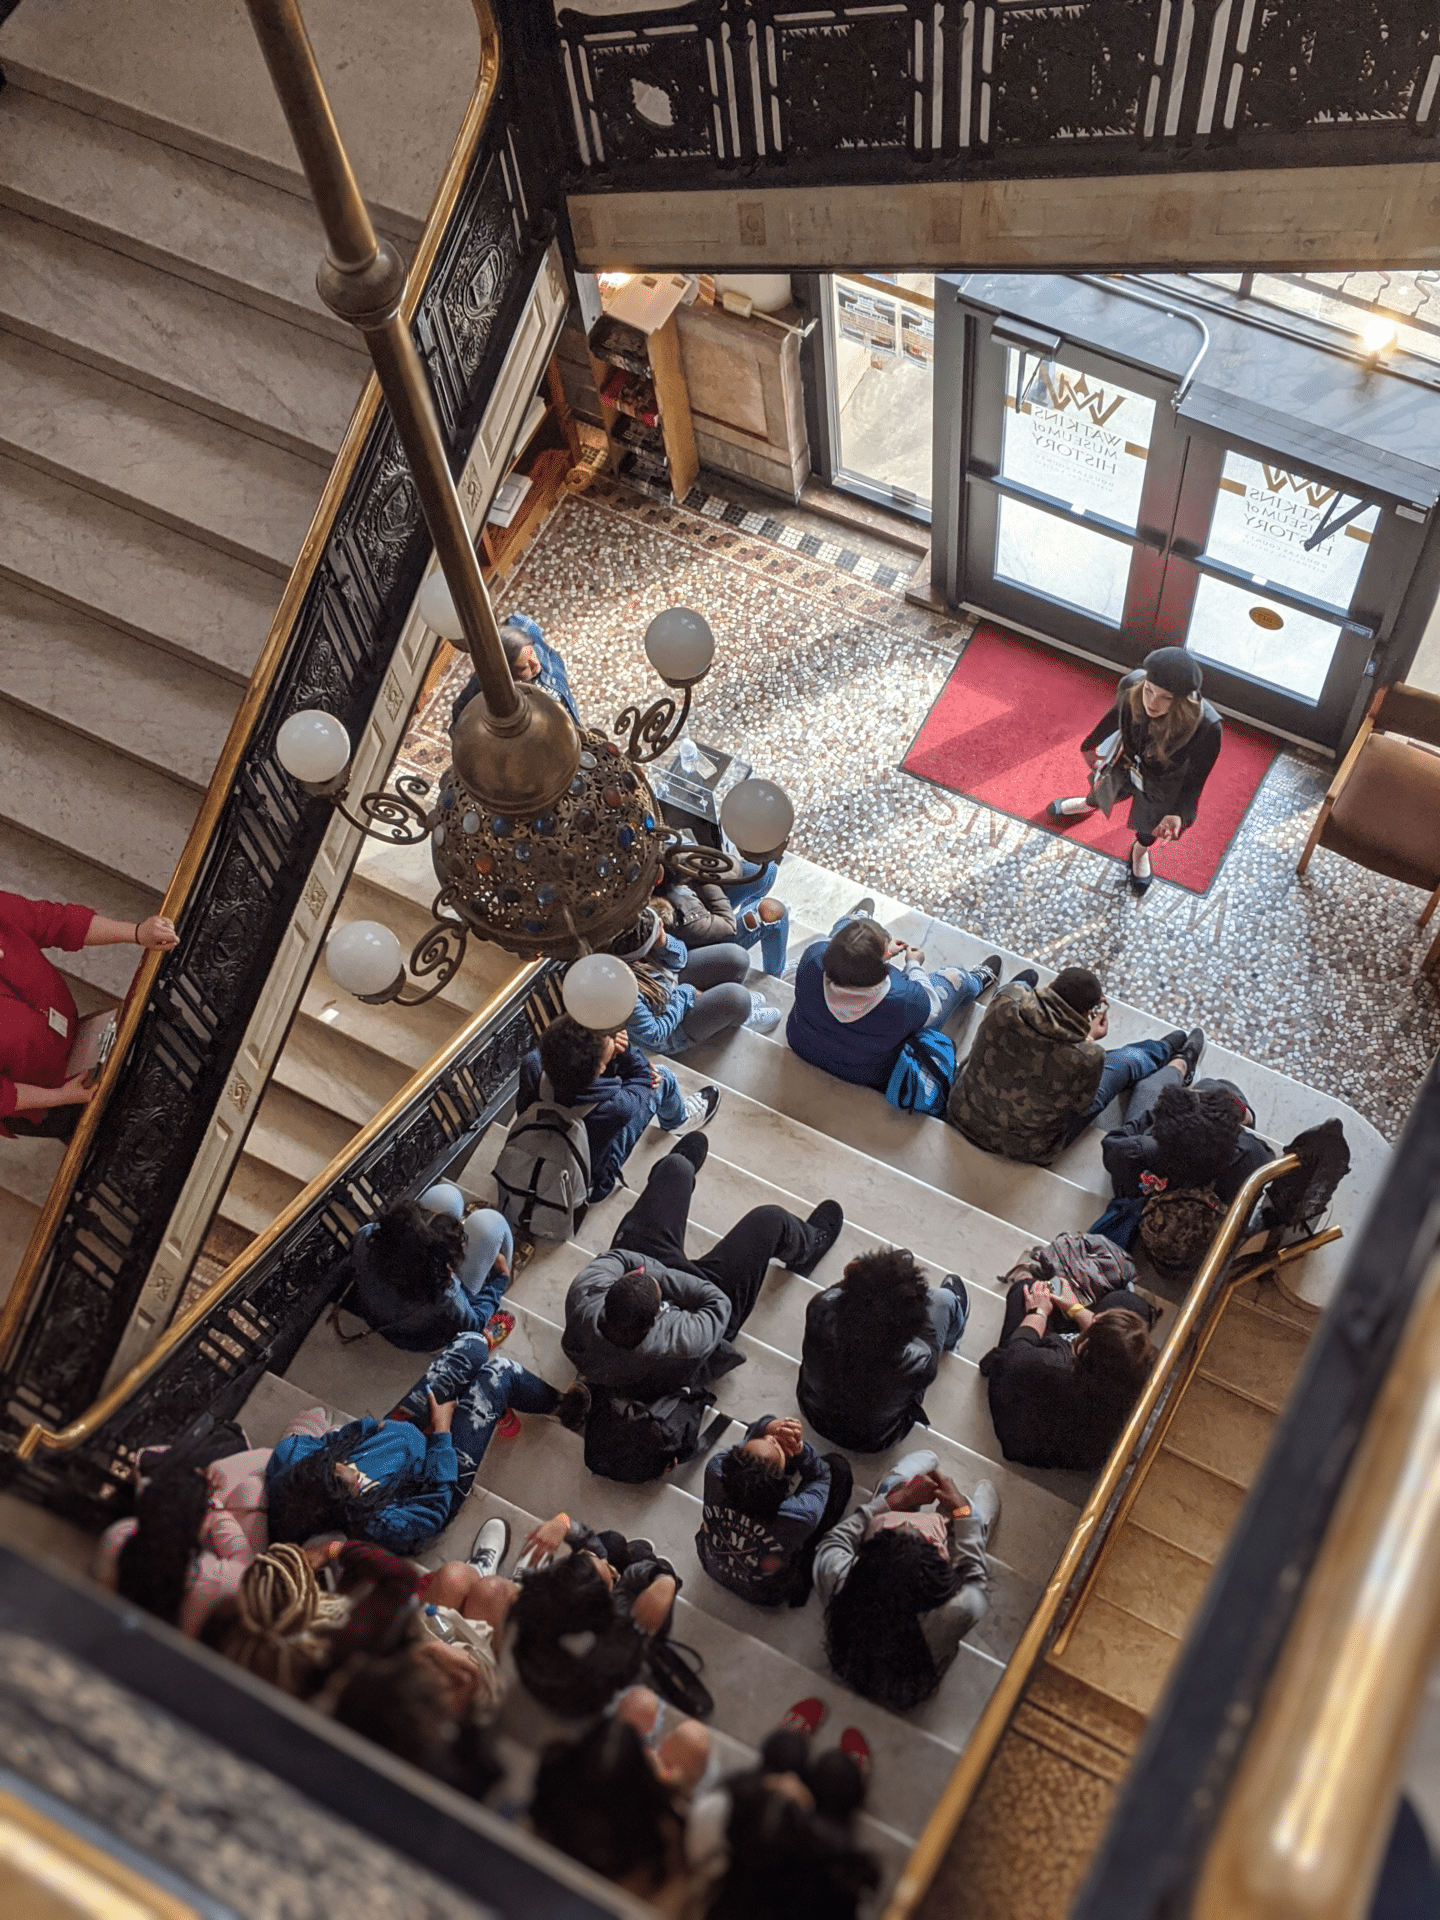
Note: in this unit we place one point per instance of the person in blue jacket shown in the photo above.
(616, 1089)
(769, 1499)
(860, 995)
(399, 1482)
(426, 1271)
(532, 658)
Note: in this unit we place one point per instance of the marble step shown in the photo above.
(1190, 1506)
(1153, 1579)
(349, 1079)
(27, 1167)
(146, 198)
(256, 1193)
(1255, 1354)
(295, 1136)
(193, 474)
(266, 376)
(1119, 1654)
(776, 1079)
(41, 869)
(1220, 1430)
(104, 807)
(160, 587)
(125, 698)
(410, 1036)
(208, 93)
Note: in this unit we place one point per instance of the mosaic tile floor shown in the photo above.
(822, 679)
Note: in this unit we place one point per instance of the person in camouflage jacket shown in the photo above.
(1037, 1076)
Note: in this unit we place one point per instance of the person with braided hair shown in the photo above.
(278, 1626)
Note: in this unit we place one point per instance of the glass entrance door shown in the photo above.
(879, 356)
(1089, 515)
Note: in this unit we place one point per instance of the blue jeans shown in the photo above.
(484, 1387)
(952, 994)
(487, 1237)
(1125, 1067)
(773, 938)
(670, 1108)
(948, 1314)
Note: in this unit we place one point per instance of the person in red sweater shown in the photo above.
(37, 1014)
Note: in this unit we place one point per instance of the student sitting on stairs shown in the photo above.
(616, 1088)
(645, 1320)
(860, 995)
(688, 997)
(872, 1346)
(776, 1841)
(617, 1801)
(1036, 1075)
(768, 1502)
(1059, 1401)
(401, 1481)
(903, 1585)
(426, 1271)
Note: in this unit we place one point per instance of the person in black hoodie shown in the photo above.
(1176, 1137)
(872, 1346)
(1059, 1401)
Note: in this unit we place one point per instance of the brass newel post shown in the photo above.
(362, 279)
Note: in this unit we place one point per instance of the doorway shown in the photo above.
(1074, 498)
(877, 354)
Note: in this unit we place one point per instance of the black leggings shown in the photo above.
(737, 1263)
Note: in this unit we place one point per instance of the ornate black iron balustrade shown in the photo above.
(697, 91)
(268, 834)
(260, 1323)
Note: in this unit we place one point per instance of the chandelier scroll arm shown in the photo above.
(403, 821)
(440, 950)
(655, 730)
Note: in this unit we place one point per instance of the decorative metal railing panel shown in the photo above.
(268, 833)
(259, 1323)
(952, 88)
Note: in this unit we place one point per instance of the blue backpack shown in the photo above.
(924, 1073)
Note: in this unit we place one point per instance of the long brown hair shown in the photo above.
(656, 983)
(1167, 735)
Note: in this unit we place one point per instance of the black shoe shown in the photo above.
(693, 1147)
(1139, 883)
(989, 971)
(825, 1224)
(1056, 811)
(1191, 1051)
(700, 1107)
(1027, 977)
(952, 1283)
(641, 1549)
(1175, 1039)
(862, 909)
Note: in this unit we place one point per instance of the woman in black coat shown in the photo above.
(1176, 1137)
(1169, 739)
(872, 1346)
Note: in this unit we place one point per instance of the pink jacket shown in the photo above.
(233, 1534)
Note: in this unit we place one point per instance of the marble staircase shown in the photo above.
(787, 1133)
(172, 395)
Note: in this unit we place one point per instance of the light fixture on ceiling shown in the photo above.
(544, 840)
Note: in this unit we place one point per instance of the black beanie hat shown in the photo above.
(1173, 669)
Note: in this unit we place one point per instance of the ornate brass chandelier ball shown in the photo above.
(558, 882)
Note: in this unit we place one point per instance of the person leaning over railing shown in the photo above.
(38, 1020)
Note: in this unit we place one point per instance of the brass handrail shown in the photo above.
(38, 1437)
(227, 767)
(1307, 1817)
(949, 1810)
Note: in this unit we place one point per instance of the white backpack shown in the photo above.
(542, 1177)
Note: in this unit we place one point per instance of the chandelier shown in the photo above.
(544, 839)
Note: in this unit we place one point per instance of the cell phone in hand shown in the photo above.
(1057, 1287)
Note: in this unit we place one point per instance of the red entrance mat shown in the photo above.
(1006, 732)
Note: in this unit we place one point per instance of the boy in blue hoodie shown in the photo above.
(854, 1010)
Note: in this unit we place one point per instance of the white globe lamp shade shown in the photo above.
(313, 746)
(756, 816)
(680, 646)
(600, 992)
(437, 607)
(364, 958)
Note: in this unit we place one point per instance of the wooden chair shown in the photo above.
(1383, 807)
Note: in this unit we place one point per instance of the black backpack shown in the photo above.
(630, 1441)
(1300, 1198)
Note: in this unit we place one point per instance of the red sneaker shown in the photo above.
(853, 1742)
(499, 1327)
(509, 1427)
(804, 1717)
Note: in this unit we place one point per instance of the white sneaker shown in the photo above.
(985, 1505)
(763, 1017)
(492, 1543)
(700, 1107)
